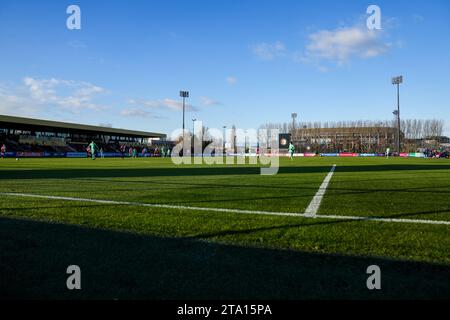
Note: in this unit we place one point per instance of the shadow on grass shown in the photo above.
(202, 171)
(259, 229)
(420, 213)
(34, 257)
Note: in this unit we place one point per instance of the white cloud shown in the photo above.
(326, 48)
(343, 44)
(174, 104)
(166, 103)
(37, 96)
(145, 103)
(135, 112)
(269, 51)
(231, 80)
(67, 94)
(209, 102)
(13, 104)
(41, 90)
(88, 90)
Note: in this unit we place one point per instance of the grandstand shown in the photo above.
(36, 138)
(345, 139)
(370, 139)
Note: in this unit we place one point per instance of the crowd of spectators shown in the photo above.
(437, 153)
(16, 143)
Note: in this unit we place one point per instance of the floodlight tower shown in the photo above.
(294, 116)
(397, 81)
(193, 133)
(224, 137)
(193, 127)
(184, 95)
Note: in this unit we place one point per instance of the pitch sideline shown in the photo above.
(177, 207)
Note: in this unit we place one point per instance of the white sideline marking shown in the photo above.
(314, 205)
(151, 205)
(167, 206)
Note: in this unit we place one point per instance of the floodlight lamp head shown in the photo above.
(397, 80)
(184, 94)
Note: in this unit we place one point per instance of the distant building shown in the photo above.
(437, 140)
(348, 139)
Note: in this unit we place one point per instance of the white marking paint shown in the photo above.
(314, 205)
(167, 206)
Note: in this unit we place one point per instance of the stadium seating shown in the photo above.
(56, 145)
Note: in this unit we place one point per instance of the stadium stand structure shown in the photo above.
(365, 140)
(353, 139)
(52, 138)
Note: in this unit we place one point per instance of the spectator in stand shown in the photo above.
(101, 153)
(144, 151)
(122, 150)
(3, 151)
(130, 152)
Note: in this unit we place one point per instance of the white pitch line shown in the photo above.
(167, 206)
(314, 205)
(379, 219)
(151, 205)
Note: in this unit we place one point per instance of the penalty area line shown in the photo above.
(177, 207)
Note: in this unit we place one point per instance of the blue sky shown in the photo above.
(244, 62)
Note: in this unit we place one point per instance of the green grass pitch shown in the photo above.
(127, 251)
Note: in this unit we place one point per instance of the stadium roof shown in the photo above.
(19, 123)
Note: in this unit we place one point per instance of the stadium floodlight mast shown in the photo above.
(193, 127)
(294, 116)
(224, 136)
(397, 81)
(184, 95)
(193, 132)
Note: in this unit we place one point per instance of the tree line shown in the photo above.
(411, 128)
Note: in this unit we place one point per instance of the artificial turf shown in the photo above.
(144, 252)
